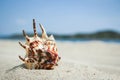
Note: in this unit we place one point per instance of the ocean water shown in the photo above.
(75, 40)
(86, 40)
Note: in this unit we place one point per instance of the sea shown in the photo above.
(86, 40)
(75, 40)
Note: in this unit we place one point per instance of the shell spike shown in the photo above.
(51, 37)
(44, 35)
(22, 45)
(25, 35)
(34, 28)
(21, 58)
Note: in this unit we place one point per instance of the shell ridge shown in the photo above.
(41, 52)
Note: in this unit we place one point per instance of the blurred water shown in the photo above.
(74, 40)
(84, 40)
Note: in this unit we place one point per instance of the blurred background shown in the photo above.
(73, 20)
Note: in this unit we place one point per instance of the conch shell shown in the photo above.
(41, 52)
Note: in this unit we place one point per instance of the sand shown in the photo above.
(91, 60)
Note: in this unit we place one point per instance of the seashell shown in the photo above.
(41, 52)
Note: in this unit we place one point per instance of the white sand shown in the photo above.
(94, 60)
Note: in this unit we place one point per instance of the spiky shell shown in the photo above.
(41, 52)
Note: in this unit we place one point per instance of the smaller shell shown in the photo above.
(41, 52)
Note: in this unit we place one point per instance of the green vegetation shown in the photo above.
(97, 35)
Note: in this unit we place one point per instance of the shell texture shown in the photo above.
(41, 52)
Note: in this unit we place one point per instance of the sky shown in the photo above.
(59, 16)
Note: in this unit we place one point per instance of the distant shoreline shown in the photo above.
(74, 40)
(106, 36)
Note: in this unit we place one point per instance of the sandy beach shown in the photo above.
(90, 60)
